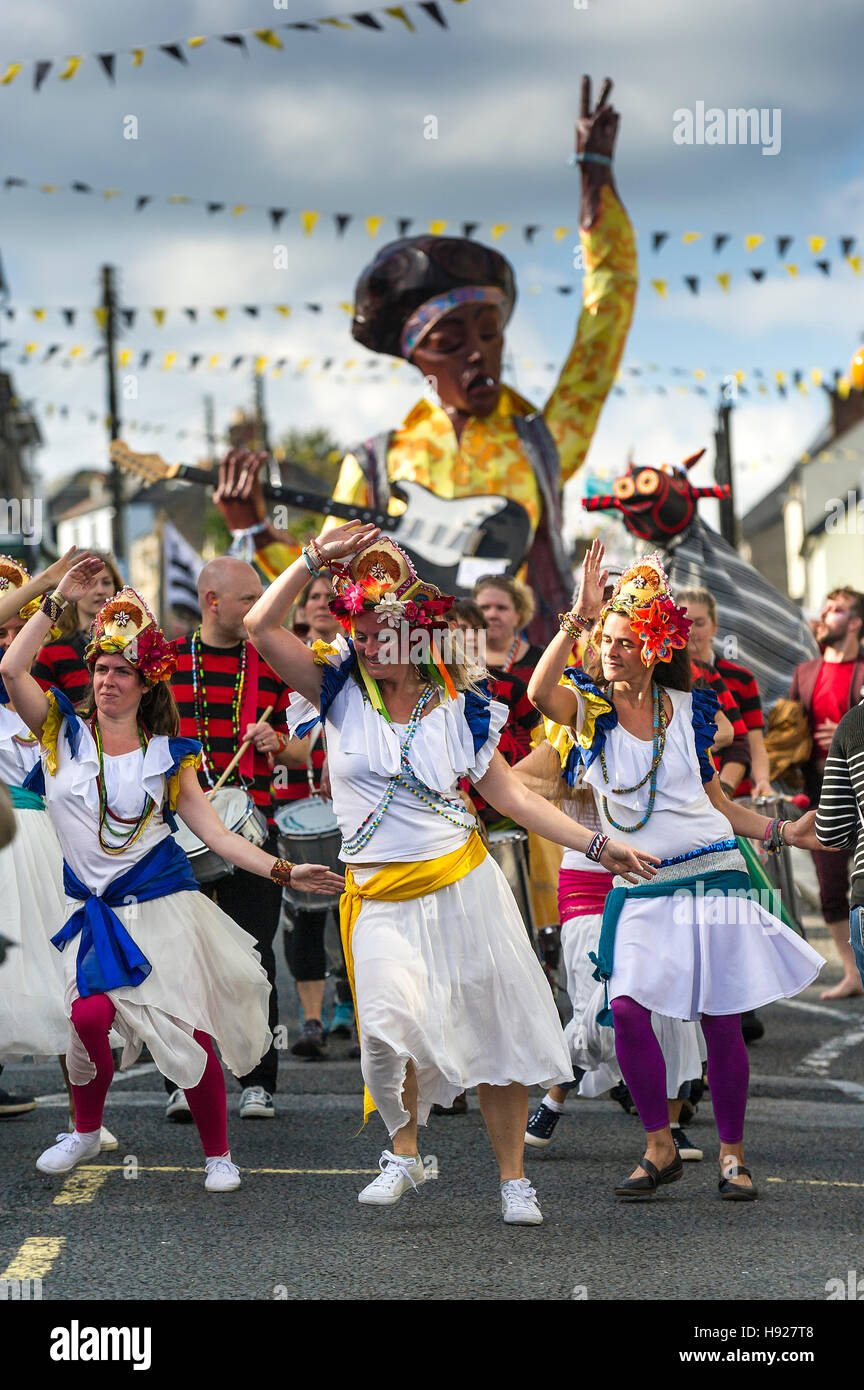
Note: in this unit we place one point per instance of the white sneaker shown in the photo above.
(107, 1140)
(519, 1203)
(177, 1108)
(256, 1104)
(397, 1175)
(222, 1174)
(70, 1149)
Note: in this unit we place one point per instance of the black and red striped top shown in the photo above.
(62, 664)
(220, 675)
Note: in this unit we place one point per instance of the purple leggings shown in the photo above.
(644, 1070)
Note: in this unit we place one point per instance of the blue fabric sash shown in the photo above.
(718, 882)
(108, 958)
(26, 800)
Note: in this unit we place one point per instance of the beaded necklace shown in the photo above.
(199, 697)
(658, 745)
(137, 824)
(405, 778)
(511, 655)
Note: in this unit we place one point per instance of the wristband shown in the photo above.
(52, 605)
(596, 847)
(282, 741)
(281, 872)
(574, 624)
(589, 158)
(313, 570)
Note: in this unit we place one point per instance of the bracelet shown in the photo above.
(570, 621)
(281, 872)
(281, 740)
(52, 605)
(313, 570)
(315, 550)
(589, 158)
(596, 847)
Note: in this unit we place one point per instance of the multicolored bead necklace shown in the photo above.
(658, 745)
(137, 824)
(199, 697)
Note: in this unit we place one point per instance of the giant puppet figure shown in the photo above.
(758, 627)
(442, 303)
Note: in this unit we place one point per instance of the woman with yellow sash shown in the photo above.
(447, 989)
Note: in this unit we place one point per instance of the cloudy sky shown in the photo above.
(335, 122)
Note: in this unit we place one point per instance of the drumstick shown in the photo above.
(239, 754)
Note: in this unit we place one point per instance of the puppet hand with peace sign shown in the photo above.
(596, 130)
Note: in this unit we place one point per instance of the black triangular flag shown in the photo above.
(313, 308)
(10, 314)
(14, 183)
(313, 28)
(530, 232)
(403, 224)
(251, 310)
(692, 283)
(758, 373)
(720, 240)
(781, 389)
(341, 219)
(327, 364)
(846, 244)
(564, 289)
(236, 40)
(128, 316)
(98, 352)
(433, 12)
(469, 228)
(64, 411)
(191, 314)
(236, 362)
(144, 358)
(657, 240)
(142, 202)
(108, 60)
(757, 275)
(825, 267)
(215, 207)
(276, 215)
(635, 371)
(68, 316)
(783, 244)
(81, 188)
(797, 377)
(194, 360)
(368, 20)
(174, 51)
(40, 72)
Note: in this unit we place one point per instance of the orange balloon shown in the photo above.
(856, 370)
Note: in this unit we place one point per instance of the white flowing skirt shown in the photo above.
(592, 1046)
(449, 981)
(206, 975)
(688, 955)
(32, 908)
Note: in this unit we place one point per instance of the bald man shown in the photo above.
(223, 689)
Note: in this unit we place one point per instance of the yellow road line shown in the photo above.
(816, 1182)
(105, 1168)
(81, 1187)
(35, 1258)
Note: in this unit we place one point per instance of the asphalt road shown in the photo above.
(295, 1230)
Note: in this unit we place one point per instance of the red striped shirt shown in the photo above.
(62, 664)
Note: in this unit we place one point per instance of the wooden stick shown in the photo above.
(239, 754)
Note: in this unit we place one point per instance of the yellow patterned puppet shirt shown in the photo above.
(489, 458)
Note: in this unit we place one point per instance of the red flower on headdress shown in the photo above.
(354, 596)
(157, 657)
(662, 627)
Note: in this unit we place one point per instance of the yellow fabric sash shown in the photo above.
(397, 883)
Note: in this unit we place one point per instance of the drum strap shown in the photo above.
(249, 712)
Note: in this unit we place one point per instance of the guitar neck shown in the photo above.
(295, 497)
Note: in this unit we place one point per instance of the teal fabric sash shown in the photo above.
(24, 800)
(716, 883)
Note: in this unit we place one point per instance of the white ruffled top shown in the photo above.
(683, 817)
(363, 752)
(19, 751)
(72, 798)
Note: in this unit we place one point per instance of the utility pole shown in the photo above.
(210, 428)
(109, 328)
(723, 469)
(262, 429)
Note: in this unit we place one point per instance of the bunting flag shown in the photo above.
(67, 68)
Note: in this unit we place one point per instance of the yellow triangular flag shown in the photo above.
(303, 364)
(260, 364)
(740, 377)
(855, 262)
(792, 269)
(437, 227)
(75, 351)
(533, 289)
(816, 376)
(816, 243)
(372, 225)
(349, 308)
(238, 209)
(780, 378)
(159, 316)
(805, 457)
(844, 386)
(267, 36)
(50, 188)
(277, 371)
(763, 389)
(352, 362)
(221, 314)
(10, 74)
(72, 66)
(753, 240)
(337, 23)
(124, 356)
(724, 280)
(38, 314)
(688, 237)
(397, 12)
(178, 198)
(802, 387)
(283, 309)
(699, 373)
(307, 221)
(661, 286)
(168, 361)
(31, 347)
(561, 232)
(137, 57)
(213, 361)
(197, 41)
(112, 193)
(101, 316)
(498, 229)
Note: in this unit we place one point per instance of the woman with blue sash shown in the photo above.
(692, 944)
(142, 950)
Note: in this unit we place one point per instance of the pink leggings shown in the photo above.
(644, 1070)
(92, 1019)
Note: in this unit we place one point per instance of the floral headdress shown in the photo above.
(125, 625)
(642, 594)
(14, 575)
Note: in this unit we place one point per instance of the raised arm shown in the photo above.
(290, 658)
(552, 699)
(13, 600)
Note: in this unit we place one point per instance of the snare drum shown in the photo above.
(238, 812)
(509, 850)
(309, 834)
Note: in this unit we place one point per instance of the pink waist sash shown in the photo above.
(581, 892)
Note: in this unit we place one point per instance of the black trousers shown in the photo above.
(305, 954)
(253, 903)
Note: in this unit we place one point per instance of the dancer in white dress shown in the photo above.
(693, 943)
(142, 949)
(448, 992)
